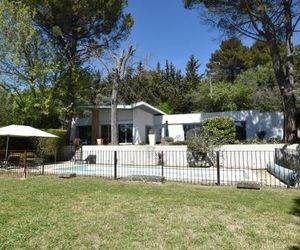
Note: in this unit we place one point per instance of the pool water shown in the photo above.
(171, 173)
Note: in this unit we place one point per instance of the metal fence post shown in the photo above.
(218, 168)
(276, 156)
(115, 165)
(162, 164)
(43, 165)
(25, 164)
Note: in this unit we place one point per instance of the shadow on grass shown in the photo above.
(294, 248)
(296, 207)
(295, 211)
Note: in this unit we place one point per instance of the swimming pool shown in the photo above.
(170, 173)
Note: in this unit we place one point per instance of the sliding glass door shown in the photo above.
(125, 133)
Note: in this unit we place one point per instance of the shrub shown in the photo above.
(178, 143)
(50, 145)
(273, 140)
(220, 129)
(212, 132)
(261, 134)
(169, 139)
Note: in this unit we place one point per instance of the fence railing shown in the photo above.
(266, 168)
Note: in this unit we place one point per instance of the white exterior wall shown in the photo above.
(250, 156)
(124, 116)
(246, 157)
(176, 132)
(141, 119)
(138, 155)
(271, 122)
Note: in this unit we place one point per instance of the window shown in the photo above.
(84, 133)
(105, 133)
(188, 127)
(240, 127)
(125, 133)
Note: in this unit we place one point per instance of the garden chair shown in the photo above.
(13, 161)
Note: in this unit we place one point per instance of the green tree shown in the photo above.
(259, 54)
(264, 91)
(222, 96)
(142, 85)
(81, 30)
(29, 65)
(184, 101)
(192, 76)
(231, 59)
(274, 22)
(6, 107)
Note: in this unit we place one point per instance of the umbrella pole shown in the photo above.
(6, 152)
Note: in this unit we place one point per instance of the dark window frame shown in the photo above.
(189, 126)
(241, 130)
(106, 131)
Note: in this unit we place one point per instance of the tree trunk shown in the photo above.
(70, 95)
(114, 114)
(286, 89)
(291, 121)
(118, 75)
(70, 111)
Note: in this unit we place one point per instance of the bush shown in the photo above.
(273, 140)
(169, 139)
(179, 143)
(220, 129)
(212, 132)
(261, 134)
(50, 145)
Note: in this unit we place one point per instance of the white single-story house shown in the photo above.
(137, 120)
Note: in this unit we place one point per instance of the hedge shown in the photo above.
(50, 145)
(221, 129)
(212, 132)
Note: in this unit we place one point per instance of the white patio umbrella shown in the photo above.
(22, 131)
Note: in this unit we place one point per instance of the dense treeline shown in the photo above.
(237, 78)
(45, 77)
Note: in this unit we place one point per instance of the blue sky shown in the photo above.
(165, 30)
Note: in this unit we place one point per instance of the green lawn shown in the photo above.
(88, 213)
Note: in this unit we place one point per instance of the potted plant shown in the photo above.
(100, 141)
(151, 136)
(77, 142)
(166, 140)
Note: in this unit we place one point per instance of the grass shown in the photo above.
(88, 213)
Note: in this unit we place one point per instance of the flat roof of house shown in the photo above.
(140, 105)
